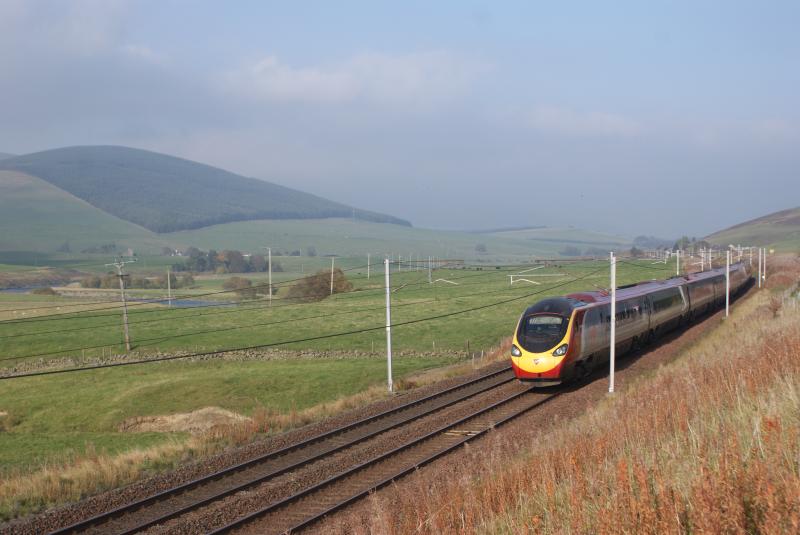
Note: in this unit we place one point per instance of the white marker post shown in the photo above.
(677, 263)
(332, 260)
(759, 267)
(169, 288)
(613, 338)
(764, 269)
(727, 283)
(388, 325)
(269, 269)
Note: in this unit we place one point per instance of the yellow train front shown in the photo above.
(545, 345)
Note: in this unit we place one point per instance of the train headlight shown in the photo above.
(515, 352)
(561, 351)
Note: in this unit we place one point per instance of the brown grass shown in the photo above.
(709, 444)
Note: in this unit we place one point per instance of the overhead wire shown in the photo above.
(71, 315)
(294, 341)
(235, 307)
(290, 320)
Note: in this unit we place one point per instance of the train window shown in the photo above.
(541, 332)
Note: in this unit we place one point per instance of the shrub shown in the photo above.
(241, 286)
(45, 291)
(318, 286)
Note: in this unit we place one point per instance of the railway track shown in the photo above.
(301, 510)
(193, 495)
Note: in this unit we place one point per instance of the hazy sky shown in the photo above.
(634, 117)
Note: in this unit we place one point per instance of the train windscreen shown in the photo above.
(541, 332)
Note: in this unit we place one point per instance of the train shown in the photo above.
(565, 338)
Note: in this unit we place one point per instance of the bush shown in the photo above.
(241, 286)
(45, 291)
(318, 286)
(91, 282)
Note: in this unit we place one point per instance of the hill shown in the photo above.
(164, 194)
(571, 241)
(780, 230)
(37, 216)
(4, 155)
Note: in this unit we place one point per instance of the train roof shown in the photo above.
(563, 306)
(641, 288)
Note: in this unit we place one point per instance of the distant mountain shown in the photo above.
(4, 155)
(165, 194)
(780, 230)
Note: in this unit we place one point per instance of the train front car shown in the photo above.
(544, 343)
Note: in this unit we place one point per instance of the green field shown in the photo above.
(91, 403)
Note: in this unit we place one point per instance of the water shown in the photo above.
(186, 303)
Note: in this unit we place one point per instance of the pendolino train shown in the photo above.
(564, 338)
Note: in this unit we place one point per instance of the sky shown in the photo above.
(659, 118)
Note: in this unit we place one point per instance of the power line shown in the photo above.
(289, 342)
(290, 320)
(65, 316)
(158, 300)
(236, 308)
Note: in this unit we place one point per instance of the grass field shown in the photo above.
(256, 323)
(50, 420)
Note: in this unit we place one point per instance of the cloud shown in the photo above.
(430, 75)
(574, 123)
(84, 28)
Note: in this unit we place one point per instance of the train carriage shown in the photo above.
(561, 338)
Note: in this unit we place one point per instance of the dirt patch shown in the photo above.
(198, 421)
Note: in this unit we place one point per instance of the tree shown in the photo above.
(311, 251)
(64, 248)
(192, 252)
(167, 251)
(480, 248)
(317, 287)
(258, 263)
(92, 281)
(681, 244)
(636, 253)
(187, 281)
(241, 286)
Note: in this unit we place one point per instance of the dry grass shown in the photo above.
(709, 444)
(91, 473)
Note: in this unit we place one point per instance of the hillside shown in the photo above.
(4, 155)
(37, 216)
(780, 230)
(577, 240)
(348, 238)
(164, 194)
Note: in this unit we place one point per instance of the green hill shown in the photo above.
(780, 230)
(37, 216)
(164, 194)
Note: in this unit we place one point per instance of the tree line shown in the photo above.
(227, 261)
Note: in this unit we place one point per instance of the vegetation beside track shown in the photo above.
(707, 444)
(82, 425)
(57, 452)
